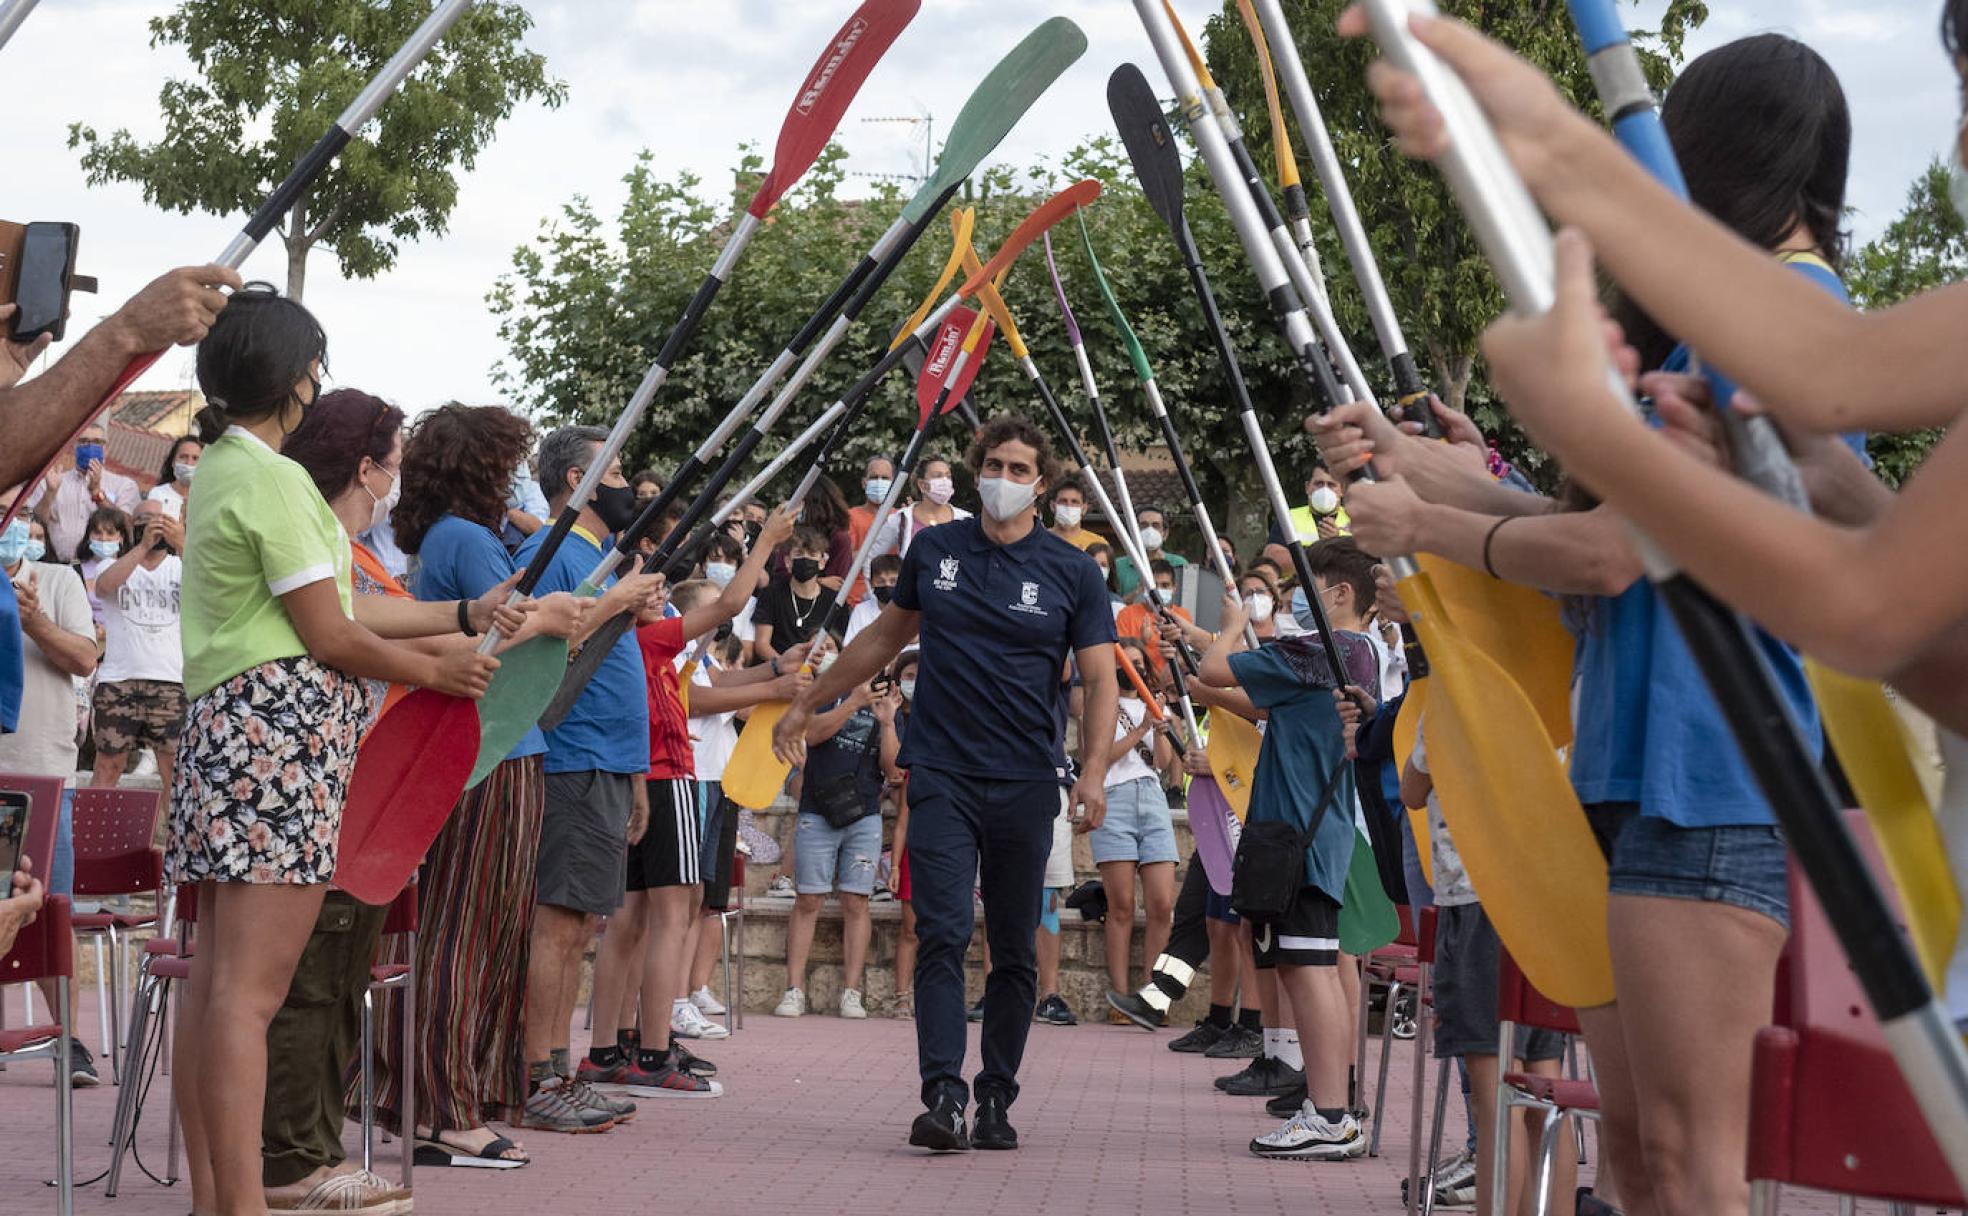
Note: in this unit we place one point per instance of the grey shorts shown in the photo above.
(1467, 956)
(584, 838)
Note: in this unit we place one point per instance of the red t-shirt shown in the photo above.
(670, 753)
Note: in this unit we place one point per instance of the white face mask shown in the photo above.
(183, 472)
(821, 664)
(1151, 538)
(1261, 605)
(379, 513)
(1004, 498)
(720, 573)
(939, 489)
(1067, 516)
(908, 688)
(1325, 500)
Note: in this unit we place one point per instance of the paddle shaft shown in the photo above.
(12, 13)
(1922, 1037)
(298, 179)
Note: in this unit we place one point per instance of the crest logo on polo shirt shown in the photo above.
(946, 575)
(1028, 600)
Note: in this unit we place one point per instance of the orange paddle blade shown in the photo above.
(1140, 686)
(1044, 216)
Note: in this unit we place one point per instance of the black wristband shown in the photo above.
(1488, 539)
(464, 619)
(776, 673)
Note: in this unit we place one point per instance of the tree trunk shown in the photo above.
(296, 239)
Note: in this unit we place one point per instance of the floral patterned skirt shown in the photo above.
(263, 768)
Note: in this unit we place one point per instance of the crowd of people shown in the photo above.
(992, 684)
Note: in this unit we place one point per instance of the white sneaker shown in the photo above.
(1307, 1136)
(707, 1004)
(792, 1005)
(781, 888)
(686, 1022)
(851, 1006)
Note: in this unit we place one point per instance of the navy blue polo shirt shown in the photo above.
(998, 622)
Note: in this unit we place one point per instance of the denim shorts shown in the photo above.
(1745, 865)
(1138, 826)
(827, 858)
(1468, 956)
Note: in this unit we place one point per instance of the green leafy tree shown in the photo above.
(1925, 248)
(271, 75)
(1442, 289)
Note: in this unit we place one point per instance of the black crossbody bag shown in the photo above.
(1269, 867)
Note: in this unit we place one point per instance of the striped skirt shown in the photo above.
(475, 915)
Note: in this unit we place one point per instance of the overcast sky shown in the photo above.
(691, 80)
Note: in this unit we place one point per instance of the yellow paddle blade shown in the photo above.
(1281, 149)
(962, 221)
(1233, 745)
(1407, 727)
(754, 776)
(1516, 819)
(1873, 748)
(1519, 628)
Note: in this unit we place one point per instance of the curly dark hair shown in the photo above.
(458, 460)
(1006, 428)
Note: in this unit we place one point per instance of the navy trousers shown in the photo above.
(997, 834)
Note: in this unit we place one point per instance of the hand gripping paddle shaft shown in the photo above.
(755, 773)
(529, 673)
(1517, 241)
(305, 170)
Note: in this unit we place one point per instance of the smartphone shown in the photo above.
(46, 274)
(14, 806)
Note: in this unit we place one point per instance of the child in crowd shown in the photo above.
(904, 674)
(791, 608)
(648, 940)
(883, 570)
(1302, 780)
(1137, 838)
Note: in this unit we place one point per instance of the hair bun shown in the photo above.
(212, 421)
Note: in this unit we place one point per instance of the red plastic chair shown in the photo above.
(45, 950)
(1557, 1097)
(44, 799)
(401, 920)
(115, 856)
(1828, 1107)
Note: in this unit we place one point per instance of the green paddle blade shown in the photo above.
(526, 679)
(1136, 355)
(1367, 918)
(996, 105)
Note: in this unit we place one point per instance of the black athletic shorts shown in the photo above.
(1306, 936)
(669, 852)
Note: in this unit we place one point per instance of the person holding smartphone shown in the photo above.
(139, 696)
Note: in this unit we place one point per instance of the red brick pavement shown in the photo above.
(814, 1120)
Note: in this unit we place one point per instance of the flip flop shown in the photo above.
(491, 1157)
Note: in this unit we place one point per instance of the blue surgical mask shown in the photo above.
(106, 549)
(720, 573)
(36, 550)
(87, 454)
(877, 488)
(14, 542)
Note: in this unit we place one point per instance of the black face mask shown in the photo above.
(616, 505)
(805, 569)
(882, 594)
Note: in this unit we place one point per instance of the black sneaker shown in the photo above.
(81, 1066)
(1285, 1105)
(940, 1129)
(1201, 1039)
(1239, 1042)
(976, 1012)
(1053, 1011)
(1133, 1008)
(993, 1130)
(695, 1065)
(1265, 1077)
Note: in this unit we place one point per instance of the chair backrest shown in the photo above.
(1840, 1116)
(1408, 934)
(115, 841)
(1518, 1001)
(402, 914)
(43, 817)
(44, 949)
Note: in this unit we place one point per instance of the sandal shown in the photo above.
(436, 1150)
(356, 1193)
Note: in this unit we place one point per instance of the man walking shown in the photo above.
(1000, 604)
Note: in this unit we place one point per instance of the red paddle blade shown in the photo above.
(136, 367)
(1048, 213)
(836, 77)
(409, 773)
(952, 337)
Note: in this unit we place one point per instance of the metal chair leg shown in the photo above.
(169, 1017)
(1435, 1133)
(368, 1076)
(1420, 1090)
(123, 1126)
(64, 1109)
(1500, 1150)
(1394, 990)
(1547, 1154)
(736, 1001)
(1763, 1198)
(1356, 1098)
(102, 1005)
(407, 1103)
(118, 1051)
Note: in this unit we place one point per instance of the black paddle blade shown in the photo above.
(1150, 145)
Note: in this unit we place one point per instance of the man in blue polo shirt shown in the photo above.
(1000, 604)
(595, 800)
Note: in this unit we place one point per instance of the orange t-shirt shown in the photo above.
(1137, 620)
(859, 520)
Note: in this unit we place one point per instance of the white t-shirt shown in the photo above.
(901, 527)
(141, 638)
(1452, 886)
(1393, 661)
(713, 737)
(44, 743)
(1131, 767)
(174, 502)
(743, 627)
(861, 617)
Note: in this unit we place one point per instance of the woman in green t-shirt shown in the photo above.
(273, 663)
